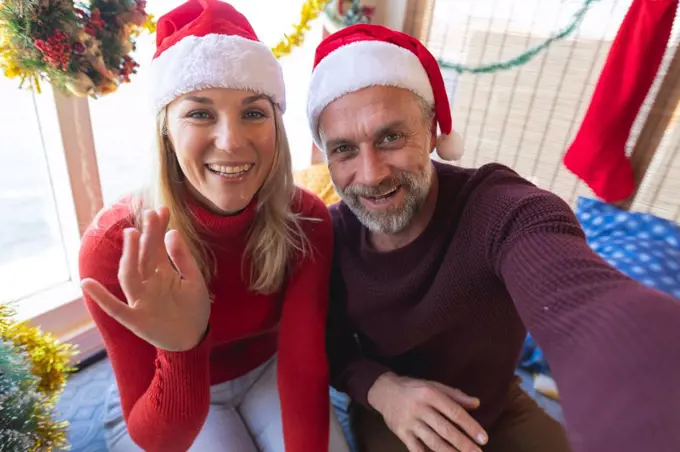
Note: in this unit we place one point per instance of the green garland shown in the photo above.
(527, 56)
(25, 413)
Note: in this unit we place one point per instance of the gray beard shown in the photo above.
(416, 186)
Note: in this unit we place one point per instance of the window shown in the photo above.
(123, 125)
(32, 256)
(270, 24)
(62, 158)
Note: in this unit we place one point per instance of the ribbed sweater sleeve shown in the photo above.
(303, 366)
(164, 395)
(612, 343)
(351, 372)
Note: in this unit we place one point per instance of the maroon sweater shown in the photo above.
(500, 255)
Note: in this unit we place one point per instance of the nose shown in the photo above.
(230, 135)
(372, 167)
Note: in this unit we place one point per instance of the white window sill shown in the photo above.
(62, 312)
(45, 301)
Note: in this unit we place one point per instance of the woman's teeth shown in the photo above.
(229, 170)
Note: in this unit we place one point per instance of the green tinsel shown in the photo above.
(526, 56)
(34, 367)
(354, 15)
(19, 400)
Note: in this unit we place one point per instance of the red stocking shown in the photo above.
(597, 155)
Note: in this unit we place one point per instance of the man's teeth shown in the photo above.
(385, 195)
(230, 170)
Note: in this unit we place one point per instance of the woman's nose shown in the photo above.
(230, 135)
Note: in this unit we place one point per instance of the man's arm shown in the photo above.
(612, 343)
(417, 411)
(350, 371)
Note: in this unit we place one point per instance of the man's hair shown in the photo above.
(426, 109)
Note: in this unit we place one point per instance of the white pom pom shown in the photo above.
(451, 146)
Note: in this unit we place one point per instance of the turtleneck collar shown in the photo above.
(223, 225)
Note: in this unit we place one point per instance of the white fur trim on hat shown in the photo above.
(451, 146)
(359, 65)
(216, 61)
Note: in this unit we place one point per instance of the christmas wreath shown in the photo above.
(83, 48)
(357, 13)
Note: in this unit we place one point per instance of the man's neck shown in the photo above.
(389, 242)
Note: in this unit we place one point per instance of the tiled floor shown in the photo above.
(82, 404)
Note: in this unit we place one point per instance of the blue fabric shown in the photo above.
(531, 359)
(340, 402)
(640, 245)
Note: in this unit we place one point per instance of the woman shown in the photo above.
(197, 319)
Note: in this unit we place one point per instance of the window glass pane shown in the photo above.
(122, 122)
(32, 255)
(271, 19)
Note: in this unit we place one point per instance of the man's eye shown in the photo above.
(391, 137)
(199, 115)
(342, 148)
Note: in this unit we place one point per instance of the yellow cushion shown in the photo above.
(317, 179)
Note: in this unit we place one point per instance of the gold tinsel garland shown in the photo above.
(50, 364)
(311, 9)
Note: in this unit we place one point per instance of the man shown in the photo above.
(440, 269)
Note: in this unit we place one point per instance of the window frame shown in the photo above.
(67, 138)
(69, 143)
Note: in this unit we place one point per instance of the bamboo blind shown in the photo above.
(527, 117)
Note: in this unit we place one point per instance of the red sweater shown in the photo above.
(500, 254)
(165, 395)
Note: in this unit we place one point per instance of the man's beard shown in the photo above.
(416, 187)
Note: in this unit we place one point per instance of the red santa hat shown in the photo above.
(209, 44)
(366, 55)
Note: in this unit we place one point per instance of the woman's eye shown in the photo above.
(199, 115)
(254, 114)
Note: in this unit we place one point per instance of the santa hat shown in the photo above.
(364, 55)
(209, 44)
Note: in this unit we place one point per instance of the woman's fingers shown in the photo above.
(111, 305)
(152, 254)
(164, 217)
(181, 256)
(131, 281)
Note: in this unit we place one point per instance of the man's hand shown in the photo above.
(427, 414)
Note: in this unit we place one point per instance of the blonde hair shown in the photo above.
(275, 234)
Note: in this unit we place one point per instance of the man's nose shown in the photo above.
(373, 168)
(229, 135)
